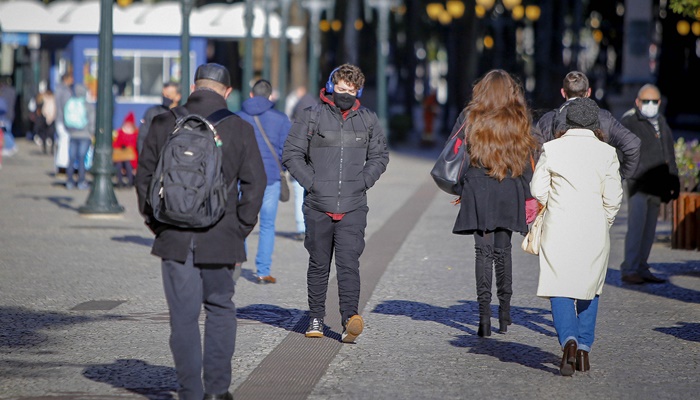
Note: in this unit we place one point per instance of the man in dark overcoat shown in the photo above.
(197, 264)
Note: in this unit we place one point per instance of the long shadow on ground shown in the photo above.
(155, 382)
(465, 315)
(667, 289)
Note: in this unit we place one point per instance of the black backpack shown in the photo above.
(188, 188)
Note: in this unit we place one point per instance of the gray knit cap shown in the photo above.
(582, 113)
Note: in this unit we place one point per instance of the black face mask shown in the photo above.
(167, 102)
(344, 101)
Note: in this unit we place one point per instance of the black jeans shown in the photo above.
(188, 286)
(346, 238)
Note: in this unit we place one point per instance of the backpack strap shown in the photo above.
(313, 122)
(218, 116)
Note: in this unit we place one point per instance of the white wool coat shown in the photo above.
(578, 178)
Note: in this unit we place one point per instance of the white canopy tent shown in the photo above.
(158, 19)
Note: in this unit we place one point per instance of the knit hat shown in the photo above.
(214, 72)
(130, 118)
(582, 112)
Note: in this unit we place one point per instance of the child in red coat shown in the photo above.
(125, 155)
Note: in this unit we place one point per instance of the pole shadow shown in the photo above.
(155, 382)
(689, 331)
(59, 201)
(143, 241)
(23, 328)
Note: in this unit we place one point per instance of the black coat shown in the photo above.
(488, 204)
(616, 135)
(223, 242)
(657, 173)
(340, 160)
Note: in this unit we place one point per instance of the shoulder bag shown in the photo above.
(284, 186)
(531, 243)
(451, 164)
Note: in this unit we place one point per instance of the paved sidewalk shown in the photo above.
(82, 313)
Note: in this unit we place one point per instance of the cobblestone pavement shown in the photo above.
(82, 313)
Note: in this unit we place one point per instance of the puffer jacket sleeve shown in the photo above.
(296, 149)
(624, 140)
(377, 154)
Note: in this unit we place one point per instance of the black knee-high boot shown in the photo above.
(503, 263)
(484, 275)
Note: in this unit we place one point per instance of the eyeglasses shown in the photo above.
(647, 101)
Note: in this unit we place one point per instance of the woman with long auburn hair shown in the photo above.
(500, 145)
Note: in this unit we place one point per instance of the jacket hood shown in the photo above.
(257, 105)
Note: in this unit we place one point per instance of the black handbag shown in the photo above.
(452, 163)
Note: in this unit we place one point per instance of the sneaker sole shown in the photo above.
(353, 329)
(314, 334)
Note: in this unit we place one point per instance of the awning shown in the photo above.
(157, 19)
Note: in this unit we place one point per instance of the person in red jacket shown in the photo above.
(125, 155)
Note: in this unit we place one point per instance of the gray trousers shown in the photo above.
(642, 214)
(188, 286)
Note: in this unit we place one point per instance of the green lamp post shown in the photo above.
(186, 7)
(248, 58)
(383, 9)
(102, 200)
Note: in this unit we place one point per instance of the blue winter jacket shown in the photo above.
(276, 125)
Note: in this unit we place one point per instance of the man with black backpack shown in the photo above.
(336, 151)
(575, 85)
(201, 224)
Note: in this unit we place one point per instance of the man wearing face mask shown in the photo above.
(336, 150)
(655, 182)
(171, 99)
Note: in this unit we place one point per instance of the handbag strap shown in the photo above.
(264, 135)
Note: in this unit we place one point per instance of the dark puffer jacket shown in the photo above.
(336, 156)
(616, 135)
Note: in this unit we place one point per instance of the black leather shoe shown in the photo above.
(225, 396)
(582, 363)
(650, 278)
(568, 359)
(634, 279)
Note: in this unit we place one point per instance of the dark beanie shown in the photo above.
(582, 113)
(214, 72)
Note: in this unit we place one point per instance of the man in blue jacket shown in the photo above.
(271, 130)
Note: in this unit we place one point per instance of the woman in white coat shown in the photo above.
(577, 178)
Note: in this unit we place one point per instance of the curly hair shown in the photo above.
(351, 74)
(498, 126)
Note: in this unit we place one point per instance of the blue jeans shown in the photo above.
(642, 213)
(76, 155)
(575, 319)
(268, 214)
(298, 203)
(9, 137)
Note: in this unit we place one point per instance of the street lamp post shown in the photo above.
(383, 8)
(185, 49)
(101, 200)
(268, 6)
(281, 103)
(248, 60)
(315, 8)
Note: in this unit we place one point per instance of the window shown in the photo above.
(138, 74)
